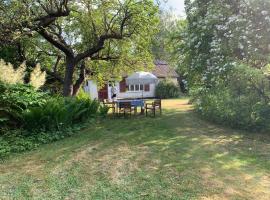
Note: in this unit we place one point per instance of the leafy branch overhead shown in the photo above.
(89, 29)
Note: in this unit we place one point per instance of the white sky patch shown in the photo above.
(176, 6)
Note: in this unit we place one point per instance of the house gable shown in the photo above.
(163, 70)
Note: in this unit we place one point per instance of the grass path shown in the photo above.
(176, 156)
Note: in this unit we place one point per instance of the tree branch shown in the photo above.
(50, 38)
(61, 11)
(107, 58)
(55, 75)
(100, 45)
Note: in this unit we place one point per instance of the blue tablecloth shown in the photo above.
(134, 102)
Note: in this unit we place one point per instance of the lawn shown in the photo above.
(175, 156)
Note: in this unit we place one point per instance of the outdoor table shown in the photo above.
(134, 103)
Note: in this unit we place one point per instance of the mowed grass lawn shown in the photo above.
(175, 156)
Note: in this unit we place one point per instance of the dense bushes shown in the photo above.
(167, 89)
(29, 117)
(14, 99)
(242, 101)
(60, 112)
(19, 140)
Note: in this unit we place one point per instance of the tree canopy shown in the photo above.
(83, 34)
(220, 34)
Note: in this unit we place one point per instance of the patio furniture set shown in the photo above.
(126, 107)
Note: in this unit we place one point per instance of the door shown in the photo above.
(103, 93)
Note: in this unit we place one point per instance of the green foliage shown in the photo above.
(16, 141)
(161, 45)
(54, 119)
(120, 31)
(103, 110)
(58, 113)
(243, 102)
(82, 94)
(217, 37)
(10, 54)
(14, 99)
(44, 119)
(167, 89)
(5, 148)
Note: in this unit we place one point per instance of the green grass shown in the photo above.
(176, 156)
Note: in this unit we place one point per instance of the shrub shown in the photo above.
(37, 77)
(58, 113)
(103, 110)
(14, 99)
(10, 75)
(19, 140)
(167, 89)
(242, 101)
(44, 119)
(82, 94)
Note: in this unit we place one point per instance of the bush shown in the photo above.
(14, 99)
(58, 113)
(103, 110)
(19, 140)
(167, 89)
(242, 101)
(44, 119)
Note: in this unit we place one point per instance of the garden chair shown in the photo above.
(153, 107)
(110, 105)
(125, 108)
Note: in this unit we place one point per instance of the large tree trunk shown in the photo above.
(79, 82)
(68, 81)
(76, 88)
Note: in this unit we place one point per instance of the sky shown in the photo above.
(177, 6)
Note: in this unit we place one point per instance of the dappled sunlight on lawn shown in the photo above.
(177, 104)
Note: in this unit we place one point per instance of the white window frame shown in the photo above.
(134, 87)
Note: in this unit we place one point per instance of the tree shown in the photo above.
(167, 43)
(160, 40)
(220, 34)
(117, 32)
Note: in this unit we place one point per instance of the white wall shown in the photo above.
(140, 94)
(91, 89)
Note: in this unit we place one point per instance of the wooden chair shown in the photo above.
(110, 105)
(153, 107)
(125, 108)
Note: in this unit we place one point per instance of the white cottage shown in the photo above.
(137, 85)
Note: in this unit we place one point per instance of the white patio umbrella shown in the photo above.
(141, 78)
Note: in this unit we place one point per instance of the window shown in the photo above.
(136, 88)
(131, 87)
(147, 88)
